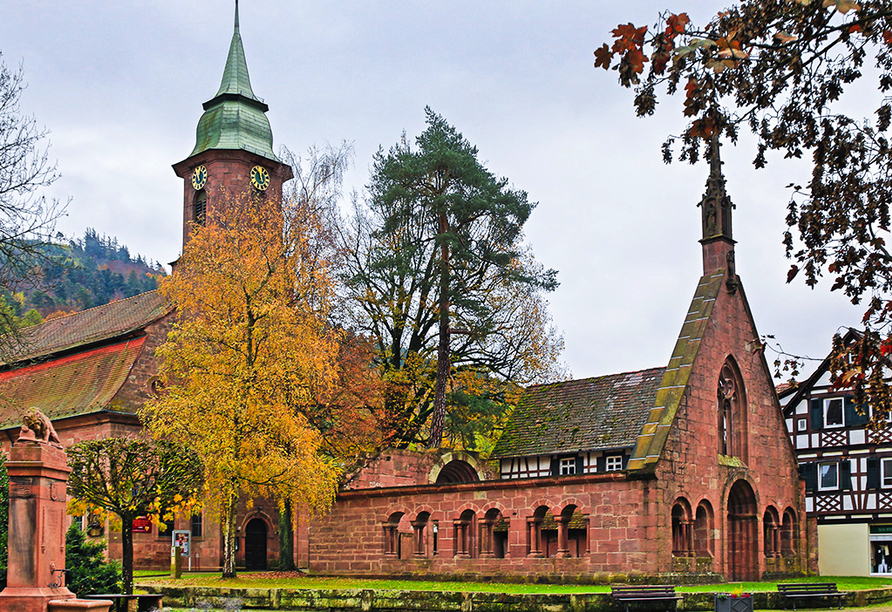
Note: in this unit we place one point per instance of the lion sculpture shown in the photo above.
(37, 427)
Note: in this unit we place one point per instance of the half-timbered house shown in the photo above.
(848, 474)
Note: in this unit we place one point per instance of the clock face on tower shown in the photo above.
(199, 177)
(260, 178)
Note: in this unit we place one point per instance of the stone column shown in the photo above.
(38, 473)
(533, 526)
(563, 544)
(418, 529)
(486, 539)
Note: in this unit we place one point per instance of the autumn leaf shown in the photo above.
(676, 23)
(636, 59)
(628, 37)
(784, 38)
(887, 37)
(843, 6)
(703, 128)
(791, 274)
(603, 56)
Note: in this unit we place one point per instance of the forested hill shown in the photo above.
(83, 273)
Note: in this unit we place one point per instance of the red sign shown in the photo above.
(142, 524)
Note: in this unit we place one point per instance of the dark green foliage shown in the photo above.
(90, 572)
(443, 282)
(4, 519)
(80, 274)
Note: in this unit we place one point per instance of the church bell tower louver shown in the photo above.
(233, 153)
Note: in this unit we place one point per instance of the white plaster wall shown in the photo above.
(844, 550)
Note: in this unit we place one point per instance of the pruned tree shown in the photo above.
(131, 477)
(441, 280)
(27, 219)
(251, 345)
(780, 69)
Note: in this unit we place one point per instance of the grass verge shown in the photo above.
(272, 581)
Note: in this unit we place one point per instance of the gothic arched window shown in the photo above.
(731, 408)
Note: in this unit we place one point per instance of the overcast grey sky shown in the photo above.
(120, 85)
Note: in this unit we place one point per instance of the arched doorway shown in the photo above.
(742, 534)
(457, 471)
(255, 545)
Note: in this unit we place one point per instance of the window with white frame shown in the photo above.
(568, 466)
(828, 476)
(833, 412)
(801, 425)
(614, 463)
(887, 472)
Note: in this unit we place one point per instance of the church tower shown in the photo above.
(233, 154)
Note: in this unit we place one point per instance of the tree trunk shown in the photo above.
(230, 511)
(286, 538)
(127, 553)
(438, 419)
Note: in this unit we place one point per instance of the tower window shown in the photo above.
(201, 202)
(196, 525)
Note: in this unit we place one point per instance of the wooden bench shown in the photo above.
(644, 594)
(144, 601)
(810, 590)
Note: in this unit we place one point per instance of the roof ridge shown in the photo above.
(558, 382)
(87, 310)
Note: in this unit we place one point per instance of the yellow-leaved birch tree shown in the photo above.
(250, 345)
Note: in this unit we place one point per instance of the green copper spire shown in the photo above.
(235, 118)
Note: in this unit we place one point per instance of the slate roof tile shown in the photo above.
(599, 413)
(68, 386)
(94, 325)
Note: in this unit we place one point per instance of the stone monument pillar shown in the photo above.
(38, 474)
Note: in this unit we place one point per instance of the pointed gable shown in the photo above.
(652, 437)
(600, 413)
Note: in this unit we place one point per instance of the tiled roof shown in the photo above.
(580, 415)
(67, 386)
(100, 323)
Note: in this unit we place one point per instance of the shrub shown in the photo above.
(90, 572)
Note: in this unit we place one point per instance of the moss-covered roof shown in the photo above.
(599, 413)
(94, 325)
(67, 386)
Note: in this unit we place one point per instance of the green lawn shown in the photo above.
(257, 580)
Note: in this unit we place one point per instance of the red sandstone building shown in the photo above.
(685, 469)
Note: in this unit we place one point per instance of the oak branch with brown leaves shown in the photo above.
(779, 69)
